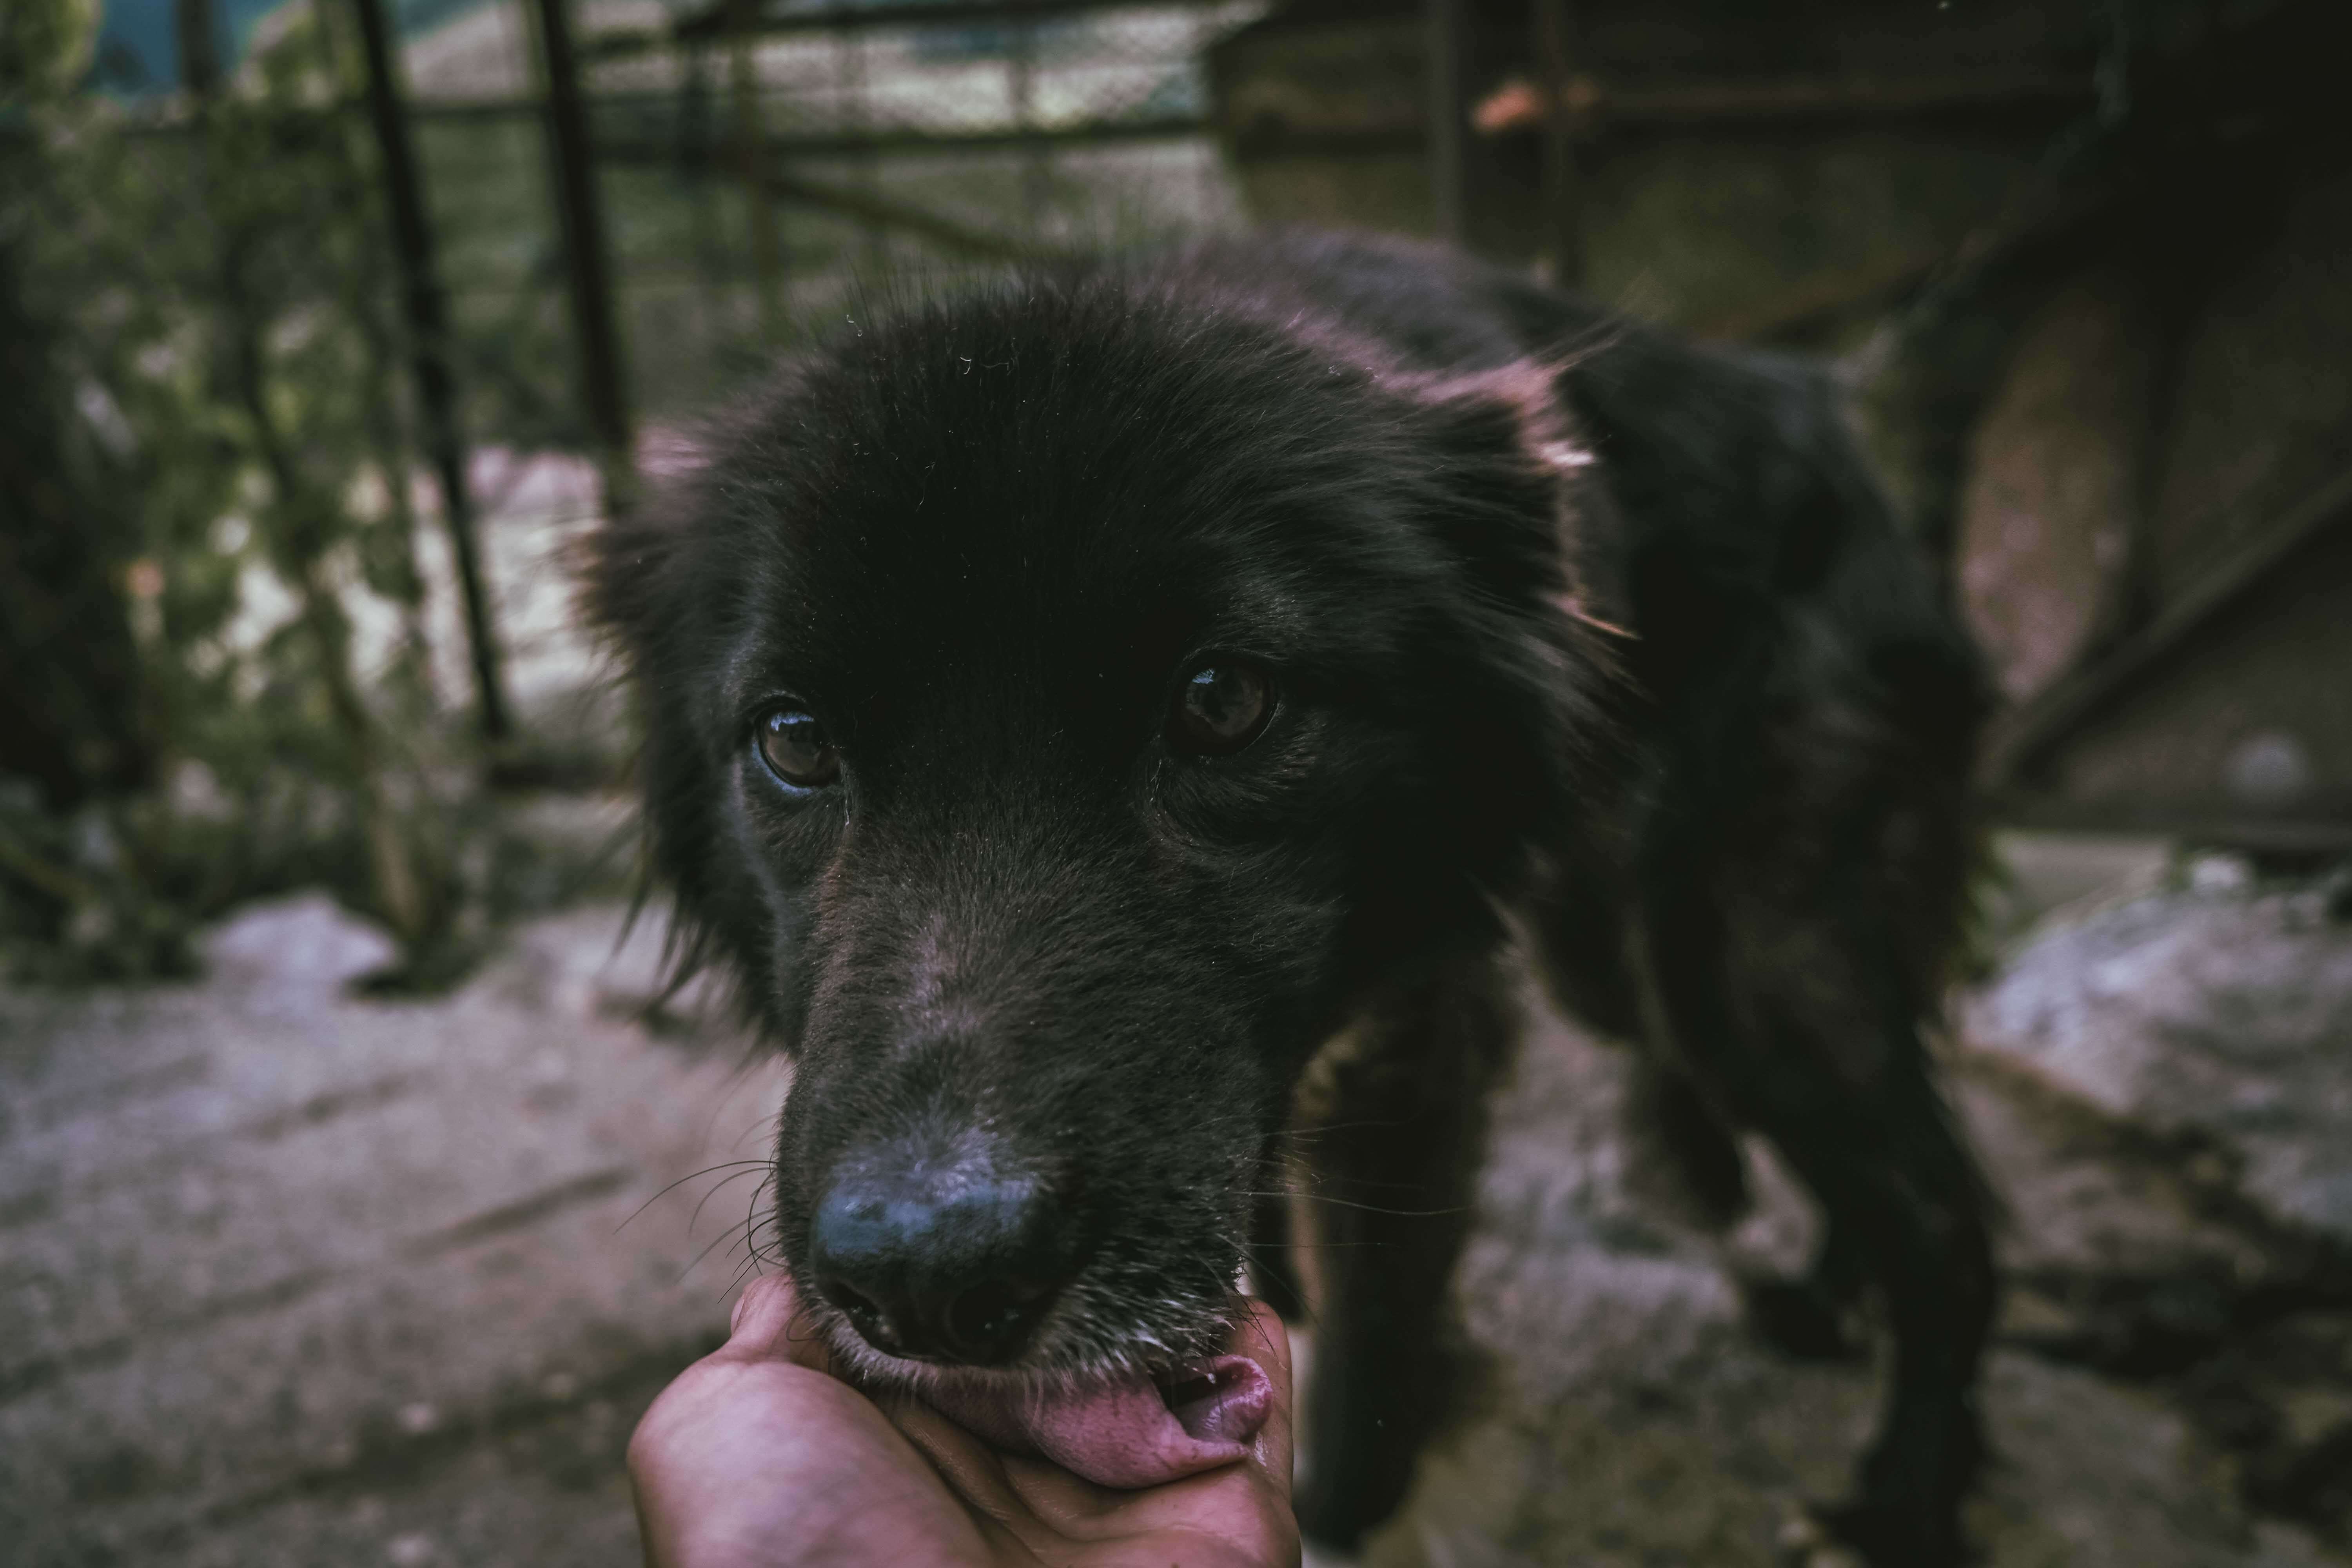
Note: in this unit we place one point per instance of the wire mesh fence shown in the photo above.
(330, 323)
(757, 160)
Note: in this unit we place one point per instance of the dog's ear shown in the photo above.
(1505, 486)
(614, 561)
(653, 579)
(1514, 479)
(1517, 408)
(644, 578)
(625, 562)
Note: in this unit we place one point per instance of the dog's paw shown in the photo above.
(1804, 1543)
(1802, 1321)
(1332, 1520)
(1314, 1556)
(1885, 1536)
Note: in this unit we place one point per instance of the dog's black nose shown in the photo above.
(940, 1267)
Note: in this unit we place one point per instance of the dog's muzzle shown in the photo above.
(950, 1260)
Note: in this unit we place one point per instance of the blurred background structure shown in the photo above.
(326, 326)
(2084, 265)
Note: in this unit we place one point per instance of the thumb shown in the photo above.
(769, 1324)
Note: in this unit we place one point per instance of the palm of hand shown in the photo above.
(757, 1458)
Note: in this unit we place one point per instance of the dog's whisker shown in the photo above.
(707, 1170)
(1372, 1208)
(757, 1168)
(732, 1233)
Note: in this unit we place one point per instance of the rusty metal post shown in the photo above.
(1563, 195)
(1036, 175)
(586, 266)
(751, 166)
(426, 311)
(1448, 46)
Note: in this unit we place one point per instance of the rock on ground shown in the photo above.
(2220, 1010)
(2159, 1091)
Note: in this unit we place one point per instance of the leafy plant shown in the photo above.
(212, 378)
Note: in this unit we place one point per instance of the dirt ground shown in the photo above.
(289, 1277)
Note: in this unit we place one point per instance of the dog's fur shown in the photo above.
(1578, 631)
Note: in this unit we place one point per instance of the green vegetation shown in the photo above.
(226, 666)
(209, 487)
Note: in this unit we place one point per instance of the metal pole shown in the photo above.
(1562, 188)
(583, 250)
(751, 166)
(428, 333)
(853, 121)
(693, 149)
(199, 57)
(1036, 179)
(1446, 37)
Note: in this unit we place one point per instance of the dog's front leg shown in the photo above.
(1388, 1138)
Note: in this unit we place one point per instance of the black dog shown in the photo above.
(1074, 705)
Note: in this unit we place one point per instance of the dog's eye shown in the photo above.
(796, 748)
(1221, 707)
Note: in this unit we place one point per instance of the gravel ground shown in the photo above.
(2160, 1085)
(291, 1277)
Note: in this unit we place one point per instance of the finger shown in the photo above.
(1264, 1340)
(1002, 1495)
(1034, 1511)
(766, 1303)
(1237, 1514)
(769, 1324)
(972, 1469)
(752, 1446)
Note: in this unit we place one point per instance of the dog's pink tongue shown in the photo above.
(1128, 1433)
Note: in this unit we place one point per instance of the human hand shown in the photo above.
(757, 1457)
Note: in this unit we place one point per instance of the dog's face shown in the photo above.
(1062, 706)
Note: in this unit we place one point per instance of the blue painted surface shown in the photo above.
(139, 40)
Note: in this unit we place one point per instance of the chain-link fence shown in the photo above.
(341, 319)
(756, 161)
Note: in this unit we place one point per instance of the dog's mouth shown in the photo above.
(1120, 1385)
(1134, 1430)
